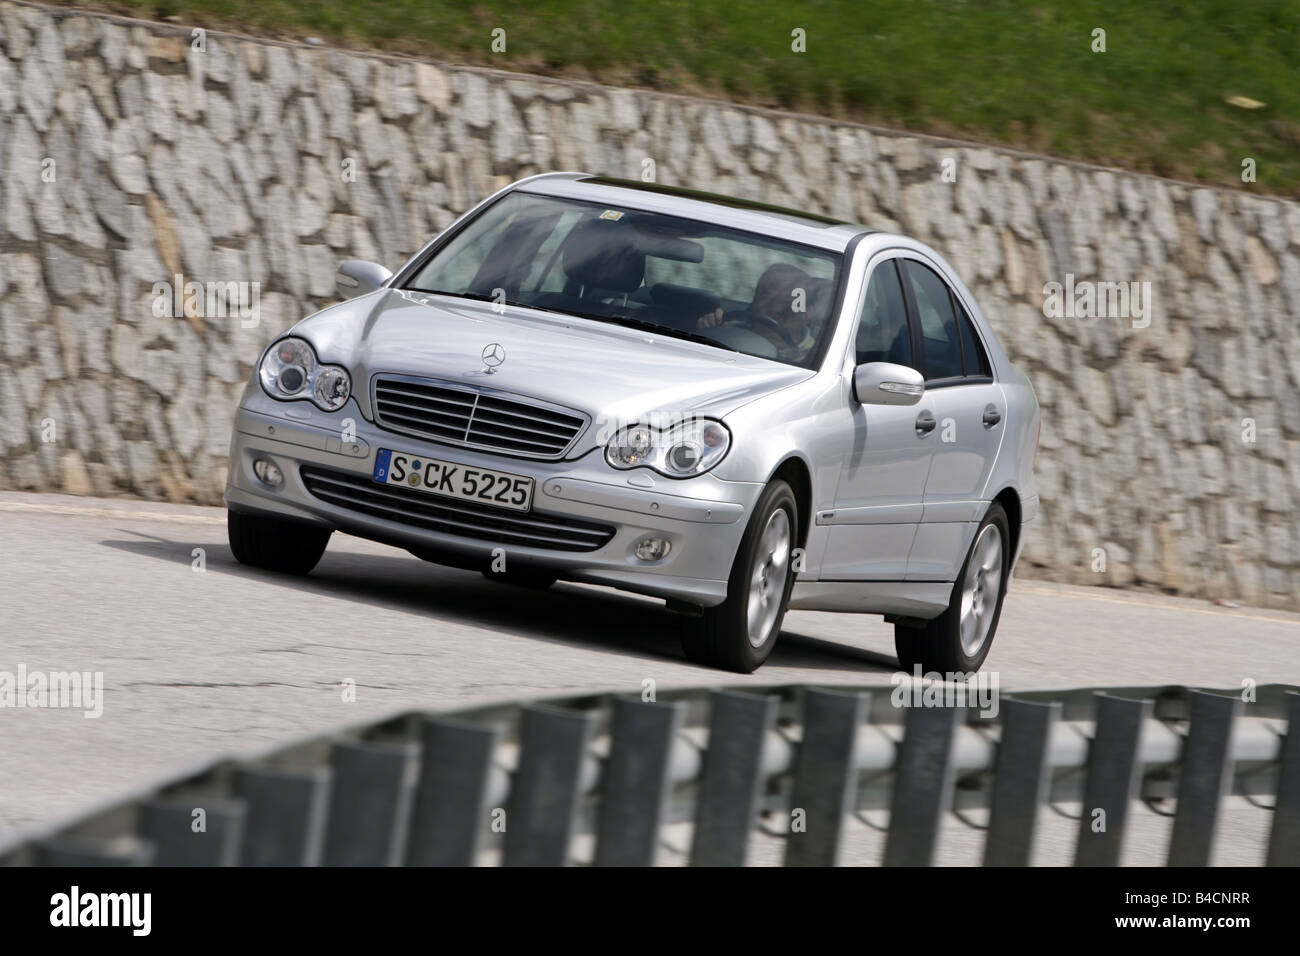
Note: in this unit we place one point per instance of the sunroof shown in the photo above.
(717, 198)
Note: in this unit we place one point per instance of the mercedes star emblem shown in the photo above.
(493, 355)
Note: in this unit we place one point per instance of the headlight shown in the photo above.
(683, 451)
(289, 371)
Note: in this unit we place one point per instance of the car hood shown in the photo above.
(615, 374)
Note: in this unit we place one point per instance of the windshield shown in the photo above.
(724, 287)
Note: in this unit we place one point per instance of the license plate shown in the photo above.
(453, 480)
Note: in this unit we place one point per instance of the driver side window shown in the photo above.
(882, 334)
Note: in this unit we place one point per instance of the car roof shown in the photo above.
(750, 216)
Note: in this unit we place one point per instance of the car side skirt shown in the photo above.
(920, 599)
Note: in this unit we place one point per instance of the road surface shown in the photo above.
(198, 664)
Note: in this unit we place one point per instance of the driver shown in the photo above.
(775, 299)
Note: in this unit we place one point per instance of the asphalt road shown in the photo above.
(199, 664)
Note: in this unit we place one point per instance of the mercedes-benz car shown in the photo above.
(731, 406)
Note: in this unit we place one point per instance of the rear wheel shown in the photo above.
(275, 545)
(958, 640)
(739, 633)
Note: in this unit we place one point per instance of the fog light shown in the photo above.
(268, 473)
(653, 549)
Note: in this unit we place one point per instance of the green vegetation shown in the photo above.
(1019, 74)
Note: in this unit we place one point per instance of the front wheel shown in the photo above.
(958, 640)
(739, 634)
(275, 545)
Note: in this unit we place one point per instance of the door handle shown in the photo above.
(924, 423)
(991, 415)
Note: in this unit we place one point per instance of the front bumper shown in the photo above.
(703, 518)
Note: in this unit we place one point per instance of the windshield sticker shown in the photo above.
(613, 215)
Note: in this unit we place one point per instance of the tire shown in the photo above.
(275, 545)
(534, 578)
(938, 645)
(721, 637)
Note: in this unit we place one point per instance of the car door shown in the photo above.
(968, 408)
(878, 500)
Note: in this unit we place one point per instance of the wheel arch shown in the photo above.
(794, 471)
(1009, 499)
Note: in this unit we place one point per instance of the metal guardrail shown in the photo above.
(525, 783)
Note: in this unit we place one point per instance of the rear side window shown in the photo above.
(882, 328)
(940, 342)
(974, 358)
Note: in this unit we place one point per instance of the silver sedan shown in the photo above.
(734, 407)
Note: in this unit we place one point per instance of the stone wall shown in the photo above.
(1171, 442)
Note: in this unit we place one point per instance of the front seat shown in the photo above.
(599, 259)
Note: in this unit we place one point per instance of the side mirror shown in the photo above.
(357, 277)
(884, 383)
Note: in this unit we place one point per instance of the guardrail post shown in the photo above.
(922, 785)
(285, 825)
(1113, 776)
(168, 823)
(731, 779)
(1205, 775)
(635, 782)
(450, 814)
(546, 788)
(825, 782)
(1020, 781)
(1284, 838)
(369, 803)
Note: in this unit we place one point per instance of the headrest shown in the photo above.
(600, 253)
(820, 292)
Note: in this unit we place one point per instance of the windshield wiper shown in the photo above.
(482, 297)
(476, 296)
(668, 330)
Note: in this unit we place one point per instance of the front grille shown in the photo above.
(452, 516)
(477, 419)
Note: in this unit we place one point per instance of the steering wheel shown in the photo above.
(751, 318)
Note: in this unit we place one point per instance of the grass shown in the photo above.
(1020, 74)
